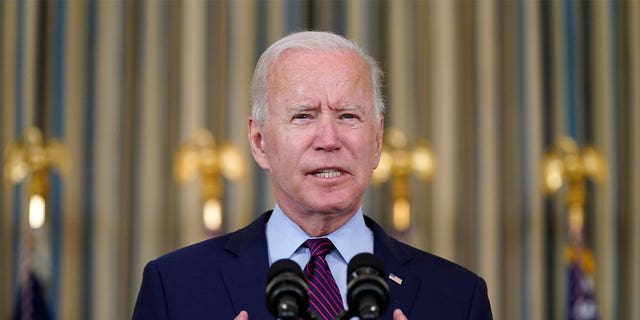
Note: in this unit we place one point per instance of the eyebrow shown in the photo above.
(349, 107)
(306, 108)
(300, 107)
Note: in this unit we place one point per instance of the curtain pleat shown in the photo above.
(631, 224)
(605, 200)
(488, 171)
(444, 130)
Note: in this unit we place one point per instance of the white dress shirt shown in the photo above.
(284, 240)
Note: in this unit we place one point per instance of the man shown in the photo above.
(316, 126)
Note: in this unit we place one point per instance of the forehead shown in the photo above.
(297, 62)
(336, 73)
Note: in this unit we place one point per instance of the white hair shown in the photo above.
(307, 40)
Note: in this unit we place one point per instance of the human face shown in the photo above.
(321, 140)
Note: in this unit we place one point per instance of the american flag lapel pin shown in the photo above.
(395, 278)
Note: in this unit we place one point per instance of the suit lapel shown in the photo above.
(404, 288)
(244, 275)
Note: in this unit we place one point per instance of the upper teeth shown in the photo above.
(327, 173)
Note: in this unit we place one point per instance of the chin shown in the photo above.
(335, 208)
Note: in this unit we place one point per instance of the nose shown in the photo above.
(327, 136)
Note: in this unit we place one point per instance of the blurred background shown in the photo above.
(522, 118)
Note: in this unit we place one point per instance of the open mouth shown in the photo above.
(327, 173)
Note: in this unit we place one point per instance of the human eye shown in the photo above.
(349, 116)
(300, 116)
(350, 113)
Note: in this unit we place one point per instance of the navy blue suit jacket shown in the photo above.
(217, 278)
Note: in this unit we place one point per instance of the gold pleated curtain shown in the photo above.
(489, 84)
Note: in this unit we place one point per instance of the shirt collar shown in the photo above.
(284, 236)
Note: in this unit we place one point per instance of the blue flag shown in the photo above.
(582, 302)
(31, 303)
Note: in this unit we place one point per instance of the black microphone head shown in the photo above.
(287, 293)
(284, 265)
(367, 290)
(365, 260)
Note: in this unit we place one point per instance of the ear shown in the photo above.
(256, 141)
(379, 139)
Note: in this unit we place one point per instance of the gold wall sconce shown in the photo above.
(397, 162)
(566, 164)
(30, 159)
(202, 156)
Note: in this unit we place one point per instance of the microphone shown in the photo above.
(287, 291)
(367, 291)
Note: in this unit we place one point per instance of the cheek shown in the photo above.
(368, 142)
(280, 151)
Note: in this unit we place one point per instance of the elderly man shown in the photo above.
(316, 127)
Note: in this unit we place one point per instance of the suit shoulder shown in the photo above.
(208, 249)
(218, 249)
(438, 266)
(451, 289)
(420, 262)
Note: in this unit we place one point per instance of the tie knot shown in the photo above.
(319, 247)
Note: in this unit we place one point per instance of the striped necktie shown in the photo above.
(324, 296)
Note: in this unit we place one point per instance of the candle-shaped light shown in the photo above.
(30, 160)
(397, 162)
(202, 156)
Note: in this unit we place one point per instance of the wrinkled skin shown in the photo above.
(322, 139)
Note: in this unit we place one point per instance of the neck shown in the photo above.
(320, 224)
